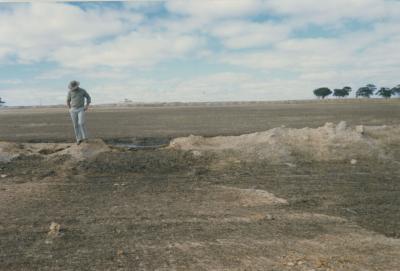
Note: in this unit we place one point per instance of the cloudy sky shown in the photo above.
(223, 50)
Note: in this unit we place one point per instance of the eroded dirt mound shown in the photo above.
(329, 142)
(86, 150)
(9, 151)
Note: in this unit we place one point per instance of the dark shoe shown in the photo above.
(78, 142)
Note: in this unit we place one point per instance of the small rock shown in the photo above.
(320, 263)
(269, 217)
(360, 129)
(120, 252)
(350, 211)
(196, 153)
(3, 175)
(290, 165)
(353, 161)
(54, 230)
(290, 264)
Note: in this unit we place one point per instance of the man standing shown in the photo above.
(76, 104)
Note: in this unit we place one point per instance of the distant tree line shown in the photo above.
(367, 91)
(2, 102)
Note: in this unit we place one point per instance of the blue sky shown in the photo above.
(195, 50)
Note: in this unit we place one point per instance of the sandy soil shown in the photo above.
(198, 207)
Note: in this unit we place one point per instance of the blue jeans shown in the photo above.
(78, 120)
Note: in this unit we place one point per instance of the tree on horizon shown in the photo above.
(322, 92)
(342, 92)
(396, 90)
(2, 102)
(385, 92)
(366, 91)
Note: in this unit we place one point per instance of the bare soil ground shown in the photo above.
(97, 207)
(54, 124)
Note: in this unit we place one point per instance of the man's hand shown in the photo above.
(86, 107)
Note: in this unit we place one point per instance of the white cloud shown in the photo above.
(31, 32)
(293, 55)
(244, 34)
(136, 49)
(298, 12)
(213, 9)
(86, 39)
(11, 81)
(5, 51)
(321, 12)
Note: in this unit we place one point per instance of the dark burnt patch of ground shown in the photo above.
(32, 167)
(161, 161)
(367, 193)
(167, 209)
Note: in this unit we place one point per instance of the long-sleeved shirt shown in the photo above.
(77, 98)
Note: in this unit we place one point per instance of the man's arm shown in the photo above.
(88, 100)
(69, 100)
